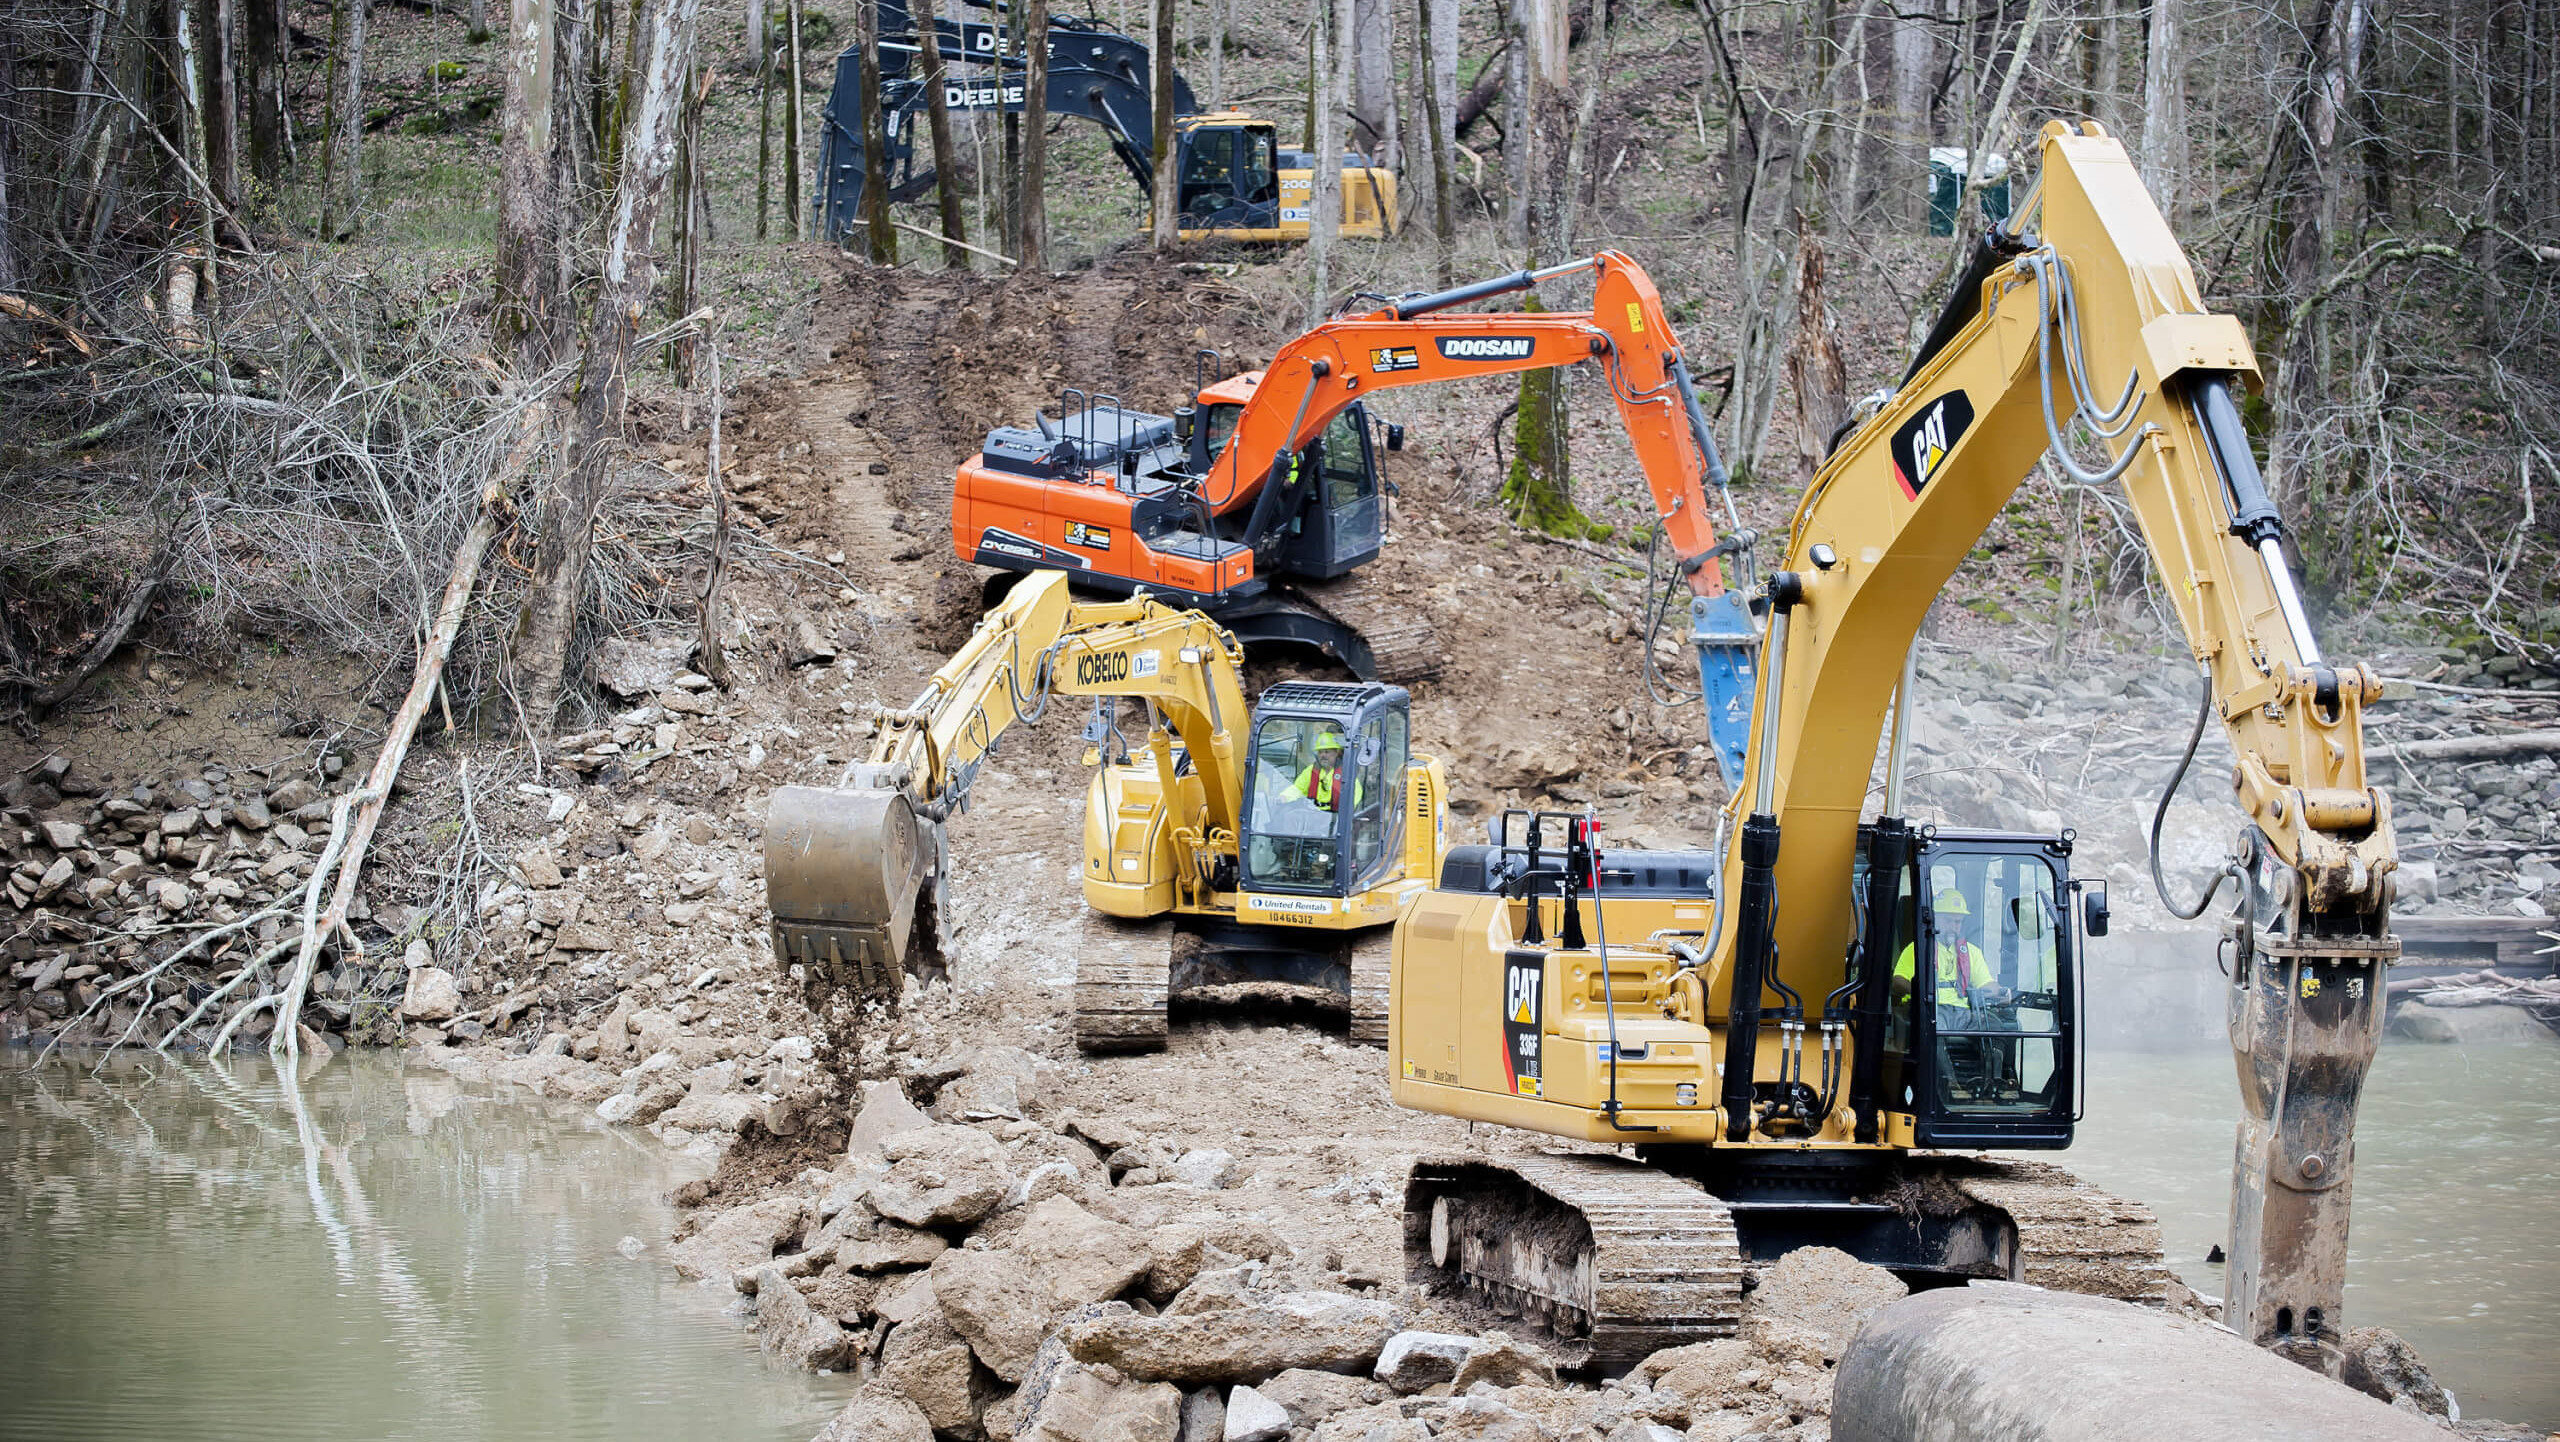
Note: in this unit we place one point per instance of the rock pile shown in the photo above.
(113, 874)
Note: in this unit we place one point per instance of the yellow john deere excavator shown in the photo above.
(1247, 854)
(1781, 1028)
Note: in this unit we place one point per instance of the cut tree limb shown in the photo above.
(113, 636)
(2477, 748)
(376, 792)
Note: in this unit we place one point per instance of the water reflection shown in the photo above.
(191, 1249)
(2457, 1158)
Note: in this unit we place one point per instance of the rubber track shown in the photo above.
(1372, 968)
(1401, 639)
(1655, 1260)
(2072, 1237)
(1124, 972)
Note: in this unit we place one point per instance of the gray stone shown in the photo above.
(2002, 1362)
(1488, 1419)
(1252, 1417)
(2382, 1366)
(2468, 1025)
(64, 835)
(1242, 1343)
(253, 815)
(541, 869)
(1083, 1405)
(789, 1330)
(170, 896)
(1204, 1416)
(999, 1302)
(1413, 1361)
(930, 1366)
(1207, 1168)
(293, 795)
(617, 1108)
(891, 1248)
(633, 669)
(1081, 1257)
(942, 1176)
(431, 995)
(885, 1112)
(738, 1239)
(181, 822)
(1310, 1397)
(878, 1414)
(1501, 1362)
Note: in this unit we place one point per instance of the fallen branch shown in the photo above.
(376, 792)
(113, 636)
(2477, 748)
(28, 310)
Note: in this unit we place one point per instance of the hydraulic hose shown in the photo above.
(2160, 883)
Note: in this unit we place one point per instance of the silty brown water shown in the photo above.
(186, 1252)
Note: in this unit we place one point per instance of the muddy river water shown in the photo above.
(2452, 1244)
(186, 1253)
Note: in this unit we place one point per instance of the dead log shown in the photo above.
(2477, 748)
(113, 636)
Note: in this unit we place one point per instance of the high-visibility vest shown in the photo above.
(1960, 967)
(1318, 784)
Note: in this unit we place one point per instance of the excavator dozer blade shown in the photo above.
(1728, 647)
(843, 873)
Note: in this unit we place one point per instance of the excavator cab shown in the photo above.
(1981, 1044)
(1229, 174)
(1324, 794)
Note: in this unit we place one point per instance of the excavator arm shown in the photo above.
(848, 868)
(2078, 330)
(1412, 341)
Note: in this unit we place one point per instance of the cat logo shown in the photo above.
(1524, 986)
(1922, 444)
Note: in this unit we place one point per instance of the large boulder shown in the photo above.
(889, 1247)
(1083, 1404)
(929, 1364)
(790, 1330)
(941, 1177)
(2468, 1025)
(885, 1112)
(998, 1301)
(1310, 1397)
(1412, 1361)
(1252, 1417)
(1487, 1419)
(738, 1239)
(1501, 1362)
(432, 995)
(1204, 1416)
(2381, 1365)
(878, 1414)
(1082, 1257)
(1245, 1342)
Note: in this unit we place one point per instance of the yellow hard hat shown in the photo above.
(1329, 741)
(1951, 902)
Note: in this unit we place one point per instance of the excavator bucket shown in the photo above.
(843, 874)
(1728, 647)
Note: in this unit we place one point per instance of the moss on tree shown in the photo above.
(1538, 491)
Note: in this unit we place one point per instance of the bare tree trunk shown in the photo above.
(629, 274)
(341, 175)
(1915, 73)
(2106, 104)
(476, 21)
(795, 133)
(880, 238)
(1328, 23)
(186, 65)
(1371, 44)
(762, 44)
(1168, 200)
(1577, 157)
(1031, 247)
(263, 39)
(221, 94)
(946, 156)
(2164, 107)
(528, 303)
(1814, 365)
(1538, 492)
(713, 659)
(1439, 65)
(1218, 54)
(1519, 134)
(685, 181)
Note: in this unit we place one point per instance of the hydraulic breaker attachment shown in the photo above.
(1727, 644)
(844, 872)
(2304, 1015)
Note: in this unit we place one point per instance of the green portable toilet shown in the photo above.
(1946, 187)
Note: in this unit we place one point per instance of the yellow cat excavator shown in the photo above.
(1783, 1029)
(1246, 854)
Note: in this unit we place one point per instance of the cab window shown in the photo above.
(1377, 822)
(1218, 422)
(1304, 782)
(1990, 985)
(1260, 179)
(1208, 162)
(1345, 461)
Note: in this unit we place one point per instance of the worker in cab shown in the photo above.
(1320, 781)
(1963, 975)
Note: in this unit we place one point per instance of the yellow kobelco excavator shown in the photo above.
(1781, 1028)
(1258, 853)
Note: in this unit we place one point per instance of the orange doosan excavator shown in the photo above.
(1259, 501)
